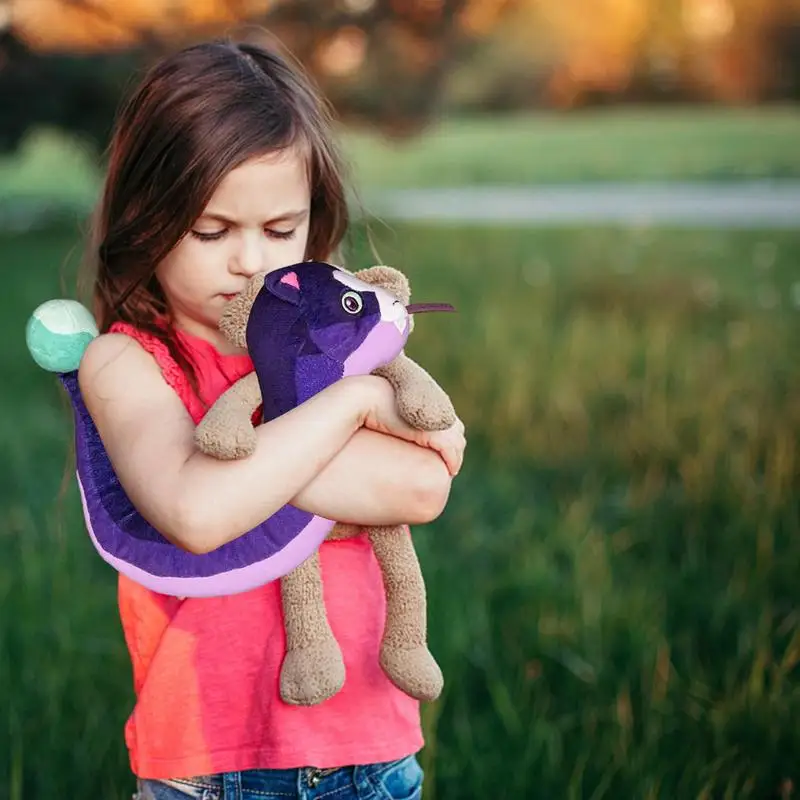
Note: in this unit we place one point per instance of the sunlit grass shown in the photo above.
(661, 144)
(613, 586)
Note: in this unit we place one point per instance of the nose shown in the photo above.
(250, 257)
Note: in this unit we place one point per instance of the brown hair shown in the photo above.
(196, 115)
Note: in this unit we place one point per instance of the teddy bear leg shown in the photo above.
(405, 657)
(313, 668)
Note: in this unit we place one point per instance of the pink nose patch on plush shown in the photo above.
(290, 278)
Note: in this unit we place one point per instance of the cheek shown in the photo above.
(187, 266)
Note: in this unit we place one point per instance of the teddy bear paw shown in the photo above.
(312, 674)
(414, 670)
(225, 440)
(426, 408)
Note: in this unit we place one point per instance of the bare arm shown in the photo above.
(199, 502)
(379, 480)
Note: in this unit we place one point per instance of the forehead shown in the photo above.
(264, 186)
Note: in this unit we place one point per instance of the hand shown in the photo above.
(450, 444)
(381, 415)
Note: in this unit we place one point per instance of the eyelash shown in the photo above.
(213, 237)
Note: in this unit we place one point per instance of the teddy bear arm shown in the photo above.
(421, 401)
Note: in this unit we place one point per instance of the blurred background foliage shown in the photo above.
(398, 64)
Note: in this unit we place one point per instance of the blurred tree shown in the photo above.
(57, 90)
(784, 41)
(396, 64)
(381, 61)
(646, 50)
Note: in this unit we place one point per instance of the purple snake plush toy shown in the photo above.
(311, 324)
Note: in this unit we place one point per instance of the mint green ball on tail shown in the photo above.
(58, 333)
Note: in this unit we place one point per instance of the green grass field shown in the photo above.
(608, 145)
(613, 586)
(612, 145)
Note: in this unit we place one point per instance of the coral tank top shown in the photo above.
(206, 670)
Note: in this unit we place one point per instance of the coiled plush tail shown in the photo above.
(57, 334)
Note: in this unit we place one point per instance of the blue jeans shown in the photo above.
(395, 780)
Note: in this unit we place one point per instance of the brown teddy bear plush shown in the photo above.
(313, 668)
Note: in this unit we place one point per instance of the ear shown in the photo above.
(233, 322)
(285, 284)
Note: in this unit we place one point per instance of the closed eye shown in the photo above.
(209, 237)
(217, 235)
(280, 234)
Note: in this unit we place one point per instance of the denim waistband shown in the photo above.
(270, 783)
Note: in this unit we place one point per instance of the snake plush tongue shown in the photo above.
(419, 308)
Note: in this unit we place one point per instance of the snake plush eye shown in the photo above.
(352, 302)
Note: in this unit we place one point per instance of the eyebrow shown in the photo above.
(287, 216)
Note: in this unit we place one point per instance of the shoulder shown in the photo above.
(115, 365)
(113, 351)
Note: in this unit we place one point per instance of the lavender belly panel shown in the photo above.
(130, 544)
(381, 346)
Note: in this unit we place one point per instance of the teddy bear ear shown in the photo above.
(387, 278)
(285, 284)
(233, 322)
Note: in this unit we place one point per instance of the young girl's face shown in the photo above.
(256, 221)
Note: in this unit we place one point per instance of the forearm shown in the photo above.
(220, 500)
(377, 479)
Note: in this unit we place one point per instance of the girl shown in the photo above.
(221, 166)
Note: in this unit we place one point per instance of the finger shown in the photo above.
(453, 461)
(458, 443)
(447, 455)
